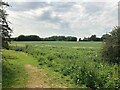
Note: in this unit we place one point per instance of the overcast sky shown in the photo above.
(80, 19)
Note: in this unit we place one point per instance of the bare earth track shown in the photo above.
(37, 78)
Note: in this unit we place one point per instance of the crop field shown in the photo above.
(59, 44)
(80, 62)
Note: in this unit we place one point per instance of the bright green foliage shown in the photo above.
(82, 62)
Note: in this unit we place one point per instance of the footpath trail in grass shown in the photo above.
(39, 78)
(25, 72)
(36, 77)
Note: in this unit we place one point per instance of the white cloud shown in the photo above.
(77, 19)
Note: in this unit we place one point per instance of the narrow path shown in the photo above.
(36, 77)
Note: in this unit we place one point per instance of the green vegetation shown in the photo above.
(80, 61)
(14, 74)
(91, 44)
(111, 50)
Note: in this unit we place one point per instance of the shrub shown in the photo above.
(111, 48)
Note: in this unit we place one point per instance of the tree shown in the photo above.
(20, 38)
(93, 38)
(105, 36)
(60, 38)
(5, 30)
(70, 38)
(111, 49)
(86, 39)
(28, 38)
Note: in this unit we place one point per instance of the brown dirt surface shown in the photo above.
(38, 78)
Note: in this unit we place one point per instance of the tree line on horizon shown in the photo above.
(59, 38)
(37, 38)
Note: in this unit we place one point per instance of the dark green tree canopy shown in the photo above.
(52, 38)
(92, 38)
(27, 38)
(105, 36)
(4, 26)
(111, 49)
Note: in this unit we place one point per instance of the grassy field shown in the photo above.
(60, 44)
(68, 64)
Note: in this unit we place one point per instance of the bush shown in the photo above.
(111, 48)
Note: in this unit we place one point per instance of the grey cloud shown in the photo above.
(94, 7)
(62, 6)
(65, 25)
(56, 6)
(26, 6)
(47, 16)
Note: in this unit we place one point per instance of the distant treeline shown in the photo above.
(58, 38)
(37, 38)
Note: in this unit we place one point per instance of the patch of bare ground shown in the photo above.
(38, 78)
